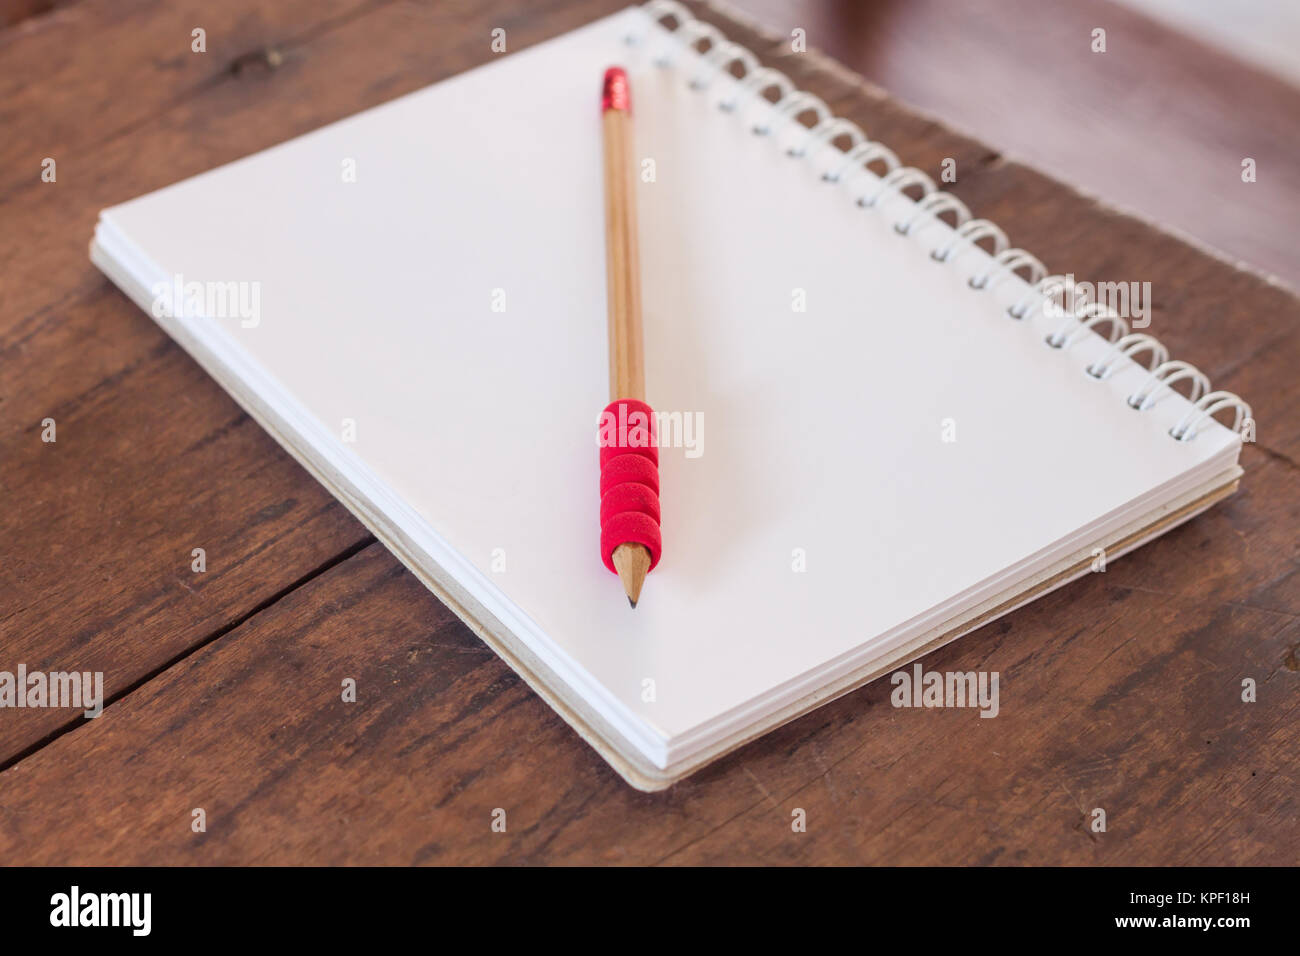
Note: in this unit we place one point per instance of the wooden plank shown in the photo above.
(15, 11)
(1159, 123)
(68, 103)
(152, 460)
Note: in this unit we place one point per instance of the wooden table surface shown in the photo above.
(1121, 691)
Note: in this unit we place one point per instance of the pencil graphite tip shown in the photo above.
(615, 94)
(632, 562)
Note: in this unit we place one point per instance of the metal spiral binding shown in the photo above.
(861, 152)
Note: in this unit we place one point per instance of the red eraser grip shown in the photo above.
(629, 479)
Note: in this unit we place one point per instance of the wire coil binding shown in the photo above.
(756, 81)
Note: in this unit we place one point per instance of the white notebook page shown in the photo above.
(821, 429)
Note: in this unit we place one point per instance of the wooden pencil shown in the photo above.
(626, 349)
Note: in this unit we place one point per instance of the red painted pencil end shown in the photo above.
(615, 94)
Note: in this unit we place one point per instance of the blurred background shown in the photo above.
(1158, 125)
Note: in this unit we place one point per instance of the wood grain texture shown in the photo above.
(1121, 691)
(15, 11)
(1158, 124)
(152, 460)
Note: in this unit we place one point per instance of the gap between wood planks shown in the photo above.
(228, 627)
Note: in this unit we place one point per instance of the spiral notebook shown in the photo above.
(887, 433)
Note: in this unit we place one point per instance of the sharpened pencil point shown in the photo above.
(632, 561)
